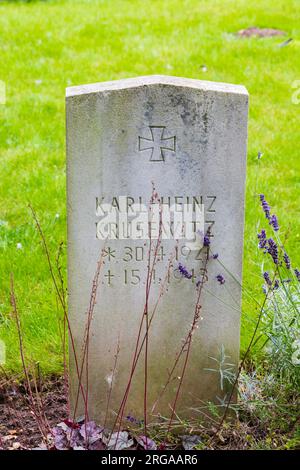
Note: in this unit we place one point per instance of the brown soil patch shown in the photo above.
(18, 426)
(259, 32)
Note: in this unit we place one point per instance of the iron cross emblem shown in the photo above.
(158, 143)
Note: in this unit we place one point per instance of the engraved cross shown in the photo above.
(158, 143)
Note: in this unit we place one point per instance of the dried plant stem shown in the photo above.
(86, 340)
(241, 366)
(121, 410)
(59, 294)
(188, 341)
(145, 317)
(140, 348)
(112, 380)
(64, 332)
(184, 345)
(40, 403)
(40, 418)
(146, 312)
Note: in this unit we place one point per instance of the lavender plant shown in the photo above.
(225, 370)
(281, 313)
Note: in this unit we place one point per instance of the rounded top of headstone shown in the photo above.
(154, 80)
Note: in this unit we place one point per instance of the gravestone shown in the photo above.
(183, 143)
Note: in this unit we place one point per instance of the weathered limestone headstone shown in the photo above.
(188, 138)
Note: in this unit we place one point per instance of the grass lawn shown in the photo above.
(47, 46)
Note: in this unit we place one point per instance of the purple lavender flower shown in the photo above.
(287, 261)
(276, 285)
(184, 272)
(267, 278)
(274, 222)
(273, 250)
(262, 239)
(215, 256)
(206, 240)
(130, 418)
(265, 206)
(297, 274)
(220, 279)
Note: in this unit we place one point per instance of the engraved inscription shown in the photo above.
(125, 263)
(158, 144)
(125, 217)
